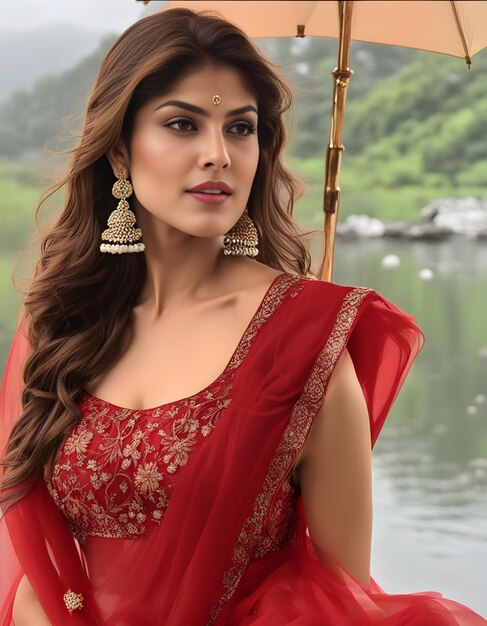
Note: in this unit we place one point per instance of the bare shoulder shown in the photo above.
(344, 410)
(343, 414)
(247, 276)
(344, 377)
(253, 272)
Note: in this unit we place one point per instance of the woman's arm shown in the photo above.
(26, 610)
(336, 474)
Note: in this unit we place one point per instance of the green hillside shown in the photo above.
(426, 125)
(32, 117)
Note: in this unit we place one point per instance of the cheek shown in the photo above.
(155, 169)
(156, 163)
(245, 158)
(154, 151)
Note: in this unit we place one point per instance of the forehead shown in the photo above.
(201, 84)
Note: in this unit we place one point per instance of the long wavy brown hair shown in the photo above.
(78, 302)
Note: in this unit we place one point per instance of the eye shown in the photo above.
(246, 129)
(181, 121)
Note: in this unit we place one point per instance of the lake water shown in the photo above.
(430, 460)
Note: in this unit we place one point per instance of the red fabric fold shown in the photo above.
(228, 551)
(293, 587)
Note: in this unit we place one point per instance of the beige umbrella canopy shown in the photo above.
(442, 26)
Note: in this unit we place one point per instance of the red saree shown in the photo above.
(209, 530)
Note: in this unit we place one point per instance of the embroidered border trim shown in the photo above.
(271, 302)
(291, 442)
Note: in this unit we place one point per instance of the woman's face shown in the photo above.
(176, 147)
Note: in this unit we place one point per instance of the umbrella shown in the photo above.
(441, 26)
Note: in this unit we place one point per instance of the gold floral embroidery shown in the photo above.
(254, 541)
(147, 477)
(115, 471)
(114, 483)
(78, 443)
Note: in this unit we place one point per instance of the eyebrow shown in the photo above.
(197, 109)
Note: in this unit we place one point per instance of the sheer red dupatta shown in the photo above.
(34, 537)
(211, 560)
(292, 586)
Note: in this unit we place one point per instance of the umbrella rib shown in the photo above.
(462, 36)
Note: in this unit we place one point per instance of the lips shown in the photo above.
(209, 198)
(209, 193)
(212, 185)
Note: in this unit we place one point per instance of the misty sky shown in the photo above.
(99, 15)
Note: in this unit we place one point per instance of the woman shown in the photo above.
(176, 412)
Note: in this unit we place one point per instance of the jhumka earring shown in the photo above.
(242, 238)
(121, 232)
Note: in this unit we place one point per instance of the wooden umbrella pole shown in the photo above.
(331, 199)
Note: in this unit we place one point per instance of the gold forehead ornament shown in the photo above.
(216, 99)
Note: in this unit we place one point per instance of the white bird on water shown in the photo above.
(391, 261)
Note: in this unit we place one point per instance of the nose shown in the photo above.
(214, 151)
